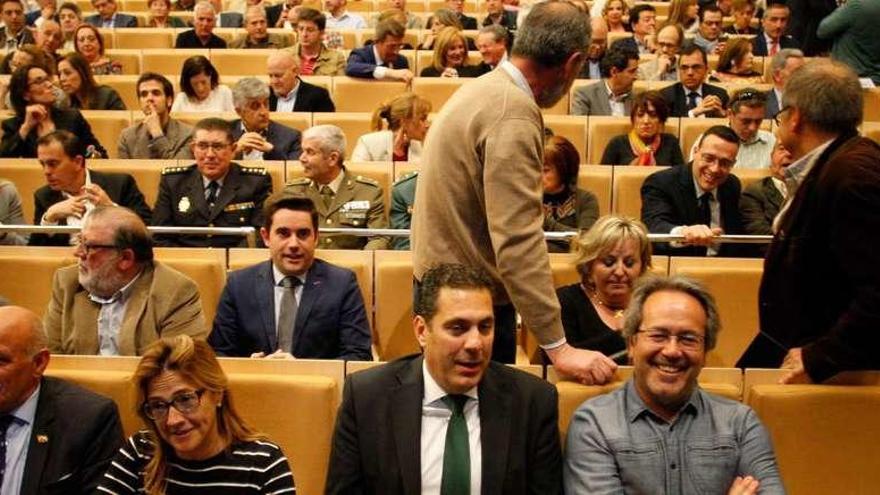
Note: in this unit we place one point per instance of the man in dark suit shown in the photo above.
(256, 137)
(781, 66)
(212, 193)
(72, 190)
(108, 17)
(820, 291)
(698, 201)
(321, 316)
(382, 59)
(447, 421)
(771, 37)
(691, 96)
(57, 437)
(289, 92)
(202, 35)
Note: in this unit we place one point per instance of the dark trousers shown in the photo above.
(763, 352)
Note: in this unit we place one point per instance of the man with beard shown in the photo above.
(660, 429)
(480, 201)
(117, 300)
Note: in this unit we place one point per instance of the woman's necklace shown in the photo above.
(594, 296)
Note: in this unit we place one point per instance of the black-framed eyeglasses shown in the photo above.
(39, 81)
(686, 340)
(89, 248)
(777, 114)
(204, 146)
(185, 403)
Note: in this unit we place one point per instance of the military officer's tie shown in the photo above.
(213, 186)
(457, 454)
(5, 421)
(287, 314)
(326, 196)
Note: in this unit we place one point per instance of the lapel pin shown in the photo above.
(42, 439)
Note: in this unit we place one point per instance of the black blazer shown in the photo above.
(760, 48)
(677, 100)
(122, 189)
(188, 39)
(13, 146)
(331, 322)
(669, 199)
(286, 141)
(76, 434)
(376, 446)
(309, 98)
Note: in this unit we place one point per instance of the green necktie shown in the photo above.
(457, 454)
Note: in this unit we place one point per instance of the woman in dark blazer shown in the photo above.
(645, 144)
(79, 84)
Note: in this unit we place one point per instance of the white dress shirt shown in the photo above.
(111, 316)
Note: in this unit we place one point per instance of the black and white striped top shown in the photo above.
(248, 467)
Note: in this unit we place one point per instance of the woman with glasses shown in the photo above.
(201, 88)
(646, 144)
(88, 42)
(195, 441)
(33, 98)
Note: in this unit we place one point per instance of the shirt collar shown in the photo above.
(760, 137)
(433, 391)
(278, 276)
(291, 95)
(27, 411)
(635, 407)
(799, 169)
(120, 296)
(334, 184)
(611, 95)
(88, 180)
(518, 78)
(206, 181)
(341, 16)
(698, 90)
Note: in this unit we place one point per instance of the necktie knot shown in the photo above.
(290, 282)
(213, 186)
(456, 403)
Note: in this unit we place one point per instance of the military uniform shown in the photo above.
(357, 204)
(182, 203)
(403, 195)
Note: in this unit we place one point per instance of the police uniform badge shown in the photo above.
(184, 204)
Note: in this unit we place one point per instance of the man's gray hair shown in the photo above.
(249, 89)
(498, 32)
(827, 94)
(205, 6)
(677, 283)
(777, 63)
(254, 8)
(551, 32)
(330, 136)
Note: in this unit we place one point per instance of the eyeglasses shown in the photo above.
(39, 81)
(709, 159)
(781, 110)
(185, 403)
(88, 248)
(204, 146)
(687, 340)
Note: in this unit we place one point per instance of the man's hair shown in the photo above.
(330, 136)
(70, 6)
(285, 201)
(19, 2)
(389, 27)
(705, 9)
(70, 142)
(551, 33)
(498, 32)
(676, 283)
(747, 97)
(311, 15)
(678, 31)
(740, 5)
(451, 276)
(254, 8)
(213, 124)
(827, 94)
(690, 48)
(167, 87)
(774, 5)
(249, 89)
(618, 57)
(778, 61)
(722, 132)
(129, 232)
(636, 12)
(204, 6)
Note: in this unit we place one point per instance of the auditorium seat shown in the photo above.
(402, 169)
(126, 86)
(601, 129)
(134, 5)
(571, 127)
(27, 274)
(147, 173)
(748, 176)
(207, 268)
(771, 376)
(393, 296)
(297, 120)
(107, 125)
(872, 105)
(106, 33)
(325, 82)
(597, 179)
(275, 168)
(353, 125)
(872, 130)
(144, 38)
(757, 66)
(27, 175)
(130, 59)
(240, 62)
(113, 383)
(192, 118)
(734, 283)
(470, 6)
(626, 197)
(169, 61)
(350, 37)
(363, 95)
(227, 34)
(437, 90)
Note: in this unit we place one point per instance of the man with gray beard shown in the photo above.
(117, 300)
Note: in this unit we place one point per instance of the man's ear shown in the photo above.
(420, 327)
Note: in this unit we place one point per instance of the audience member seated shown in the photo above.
(382, 59)
(592, 68)
(14, 32)
(762, 200)
(772, 38)
(412, 21)
(45, 10)
(449, 420)
(25, 55)
(407, 118)
(276, 14)
(219, 453)
(214, 192)
(72, 190)
(782, 65)
(33, 99)
(664, 67)
(685, 13)
(450, 56)
(159, 17)
(108, 17)
(610, 258)
(117, 300)
(157, 136)
(852, 30)
(338, 17)
(743, 12)
(492, 42)
(745, 115)
(184, 5)
(289, 92)
(70, 17)
(342, 199)
(315, 59)
(256, 32)
(735, 64)
(692, 96)
(403, 198)
(457, 8)
(699, 201)
(390, 14)
(613, 13)
(10, 213)
(256, 137)
(293, 305)
(642, 24)
(709, 36)
(82, 90)
(613, 94)
(646, 144)
(566, 206)
(497, 15)
(83, 427)
(48, 38)
(202, 35)
(662, 405)
(202, 91)
(89, 43)
(442, 18)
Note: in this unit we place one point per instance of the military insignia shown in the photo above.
(356, 205)
(240, 206)
(409, 210)
(253, 170)
(42, 439)
(184, 204)
(174, 170)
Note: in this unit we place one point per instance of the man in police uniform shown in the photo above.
(212, 193)
(342, 199)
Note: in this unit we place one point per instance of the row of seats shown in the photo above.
(832, 426)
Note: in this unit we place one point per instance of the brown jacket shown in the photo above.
(329, 63)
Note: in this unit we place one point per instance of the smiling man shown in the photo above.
(660, 433)
(447, 421)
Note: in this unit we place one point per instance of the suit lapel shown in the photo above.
(265, 294)
(134, 311)
(227, 192)
(85, 315)
(41, 438)
(774, 197)
(311, 292)
(688, 195)
(406, 424)
(495, 406)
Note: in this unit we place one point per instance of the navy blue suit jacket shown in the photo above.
(121, 20)
(287, 141)
(759, 44)
(331, 322)
(362, 63)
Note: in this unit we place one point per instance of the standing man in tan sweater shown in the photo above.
(478, 200)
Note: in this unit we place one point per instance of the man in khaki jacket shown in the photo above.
(117, 300)
(315, 59)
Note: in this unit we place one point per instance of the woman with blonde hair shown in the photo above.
(442, 18)
(195, 440)
(406, 116)
(735, 63)
(450, 56)
(613, 13)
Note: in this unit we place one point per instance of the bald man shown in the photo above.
(58, 437)
(289, 92)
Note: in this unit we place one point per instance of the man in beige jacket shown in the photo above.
(478, 200)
